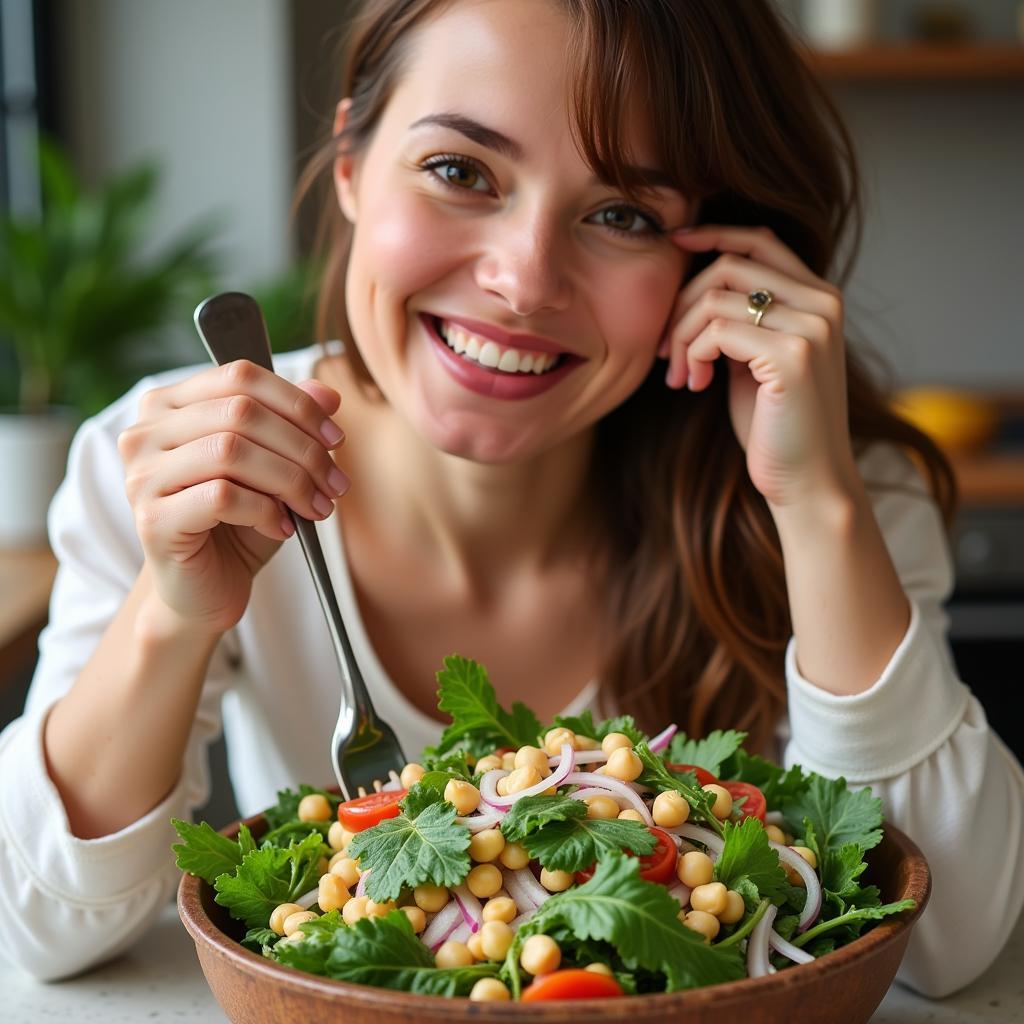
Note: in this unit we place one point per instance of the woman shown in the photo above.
(616, 463)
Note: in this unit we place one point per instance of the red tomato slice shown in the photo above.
(657, 866)
(571, 983)
(704, 777)
(366, 811)
(755, 805)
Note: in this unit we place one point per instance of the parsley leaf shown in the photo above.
(268, 877)
(421, 795)
(259, 940)
(406, 851)
(748, 861)
(575, 844)
(204, 852)
(639, 919)
(708, 753)
(584, 725)
(478, 722)
(529, 813)
(777, 785)
(286, 810)
(659, 778)
(381, 951)
(836, 814)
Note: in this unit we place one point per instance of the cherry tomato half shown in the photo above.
(571, 983)
(366, 811)
(657, 866)
(704, 777)
(754, 806)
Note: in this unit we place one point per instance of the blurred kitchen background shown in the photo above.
(178, 128)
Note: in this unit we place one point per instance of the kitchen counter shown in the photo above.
(160, 980)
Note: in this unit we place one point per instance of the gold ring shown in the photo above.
(757, 302)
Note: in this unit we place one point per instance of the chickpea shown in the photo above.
(355, 909)
(508, 761)
(670, 809)
(495, 939)
(514, 856)
(793, 876)
(630, 815)
(488, 764)
(314, 807)
(501, 786)
(808, 855)
(430, 898)
(615, 741)
(500, 908)
(411, 774)
(453, 954)
(587, 743)
(624, 764)
(346, 869)
(775, 834)
(336, 836)
(695, 868)
(484, 881)
(464, 795)
(540, 955)
(702, 923)
(712, 898)
(520, 779)
(601, 807)
(292, 921)
(486, 845)
(735, 908)
(489, 990)
(554, 738)
(375, 909)
(555, 881)
(417, 918)
(332, 893)
(296, 936)
(277, 918)
(322, 866)
(722, 807)
(600, 969)
(533, 757)
(473, 944)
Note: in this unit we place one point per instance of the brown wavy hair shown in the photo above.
(698, 616)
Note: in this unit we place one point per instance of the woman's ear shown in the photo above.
(344, 167)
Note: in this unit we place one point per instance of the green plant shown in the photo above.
(288, 302)
(80, 297)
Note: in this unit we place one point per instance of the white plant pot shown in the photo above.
(33, 458)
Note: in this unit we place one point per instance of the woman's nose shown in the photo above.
(525, 265)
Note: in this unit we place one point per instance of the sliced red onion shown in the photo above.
(306, 900)
(681, 893)
(444, 922)
(520, 920)
(787, 949)
(556, 778)
(616, 788)
(715, 844)
(519, 893)
(774, 818)
(461, 933)
(758, 964)
(488, 788)
(535, 892)
(662, 739)
(472, 911)
(812, 905)
(485, 819)
(583, 757)
(361, 884)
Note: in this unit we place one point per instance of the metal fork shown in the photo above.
(364, 748)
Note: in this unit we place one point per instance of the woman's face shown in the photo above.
(508, 237)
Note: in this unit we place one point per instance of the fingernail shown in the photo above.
(338, 481)
(322, 503)
(331, 432)
(684, 231)
(287, 526)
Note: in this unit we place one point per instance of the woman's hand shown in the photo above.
(211, 466)
(787, 377)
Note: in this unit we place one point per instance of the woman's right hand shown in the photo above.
(210, 467)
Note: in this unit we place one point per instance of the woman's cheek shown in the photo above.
(637, 306)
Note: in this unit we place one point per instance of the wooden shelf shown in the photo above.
(936, 62)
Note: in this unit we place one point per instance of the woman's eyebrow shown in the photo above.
(491, 138)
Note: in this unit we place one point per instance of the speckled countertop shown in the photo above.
(160, 980)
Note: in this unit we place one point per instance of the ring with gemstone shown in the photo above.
(757, 302)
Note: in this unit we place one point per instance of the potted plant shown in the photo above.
(80, 304)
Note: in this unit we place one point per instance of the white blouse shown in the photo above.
(917, 736)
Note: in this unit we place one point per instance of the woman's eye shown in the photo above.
(456, 172)
(628, 220)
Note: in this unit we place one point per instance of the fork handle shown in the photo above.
(231, 327)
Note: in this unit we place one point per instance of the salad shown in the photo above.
(583, 860)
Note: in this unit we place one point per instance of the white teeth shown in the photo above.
(490, 354)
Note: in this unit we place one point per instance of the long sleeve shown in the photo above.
(68, 903)
(921, 741)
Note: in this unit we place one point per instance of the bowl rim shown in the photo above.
(203, 930)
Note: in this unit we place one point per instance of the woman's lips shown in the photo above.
(494, 383)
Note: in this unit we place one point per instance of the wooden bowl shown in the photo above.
(843, 987)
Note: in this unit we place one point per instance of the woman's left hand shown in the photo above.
(787, 377)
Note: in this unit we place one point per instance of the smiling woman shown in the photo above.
(626, 466)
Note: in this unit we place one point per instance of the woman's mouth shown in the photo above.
(491, 355)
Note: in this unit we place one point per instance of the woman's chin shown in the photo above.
(488, 443)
